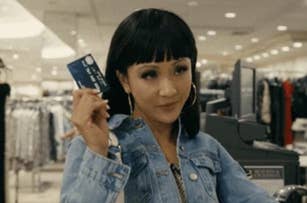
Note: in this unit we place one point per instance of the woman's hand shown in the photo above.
(90, 118)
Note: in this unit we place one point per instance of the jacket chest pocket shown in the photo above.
(208, 169)
(139, 187)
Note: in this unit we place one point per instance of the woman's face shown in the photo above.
(160, 89)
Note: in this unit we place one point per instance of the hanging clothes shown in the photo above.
(288, 91)
(4, 92)
(300, 98)
(34, 129)
(263, 102)
(277, 112)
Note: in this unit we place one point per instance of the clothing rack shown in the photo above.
(279, 102)
(36, 184)
(51, 117)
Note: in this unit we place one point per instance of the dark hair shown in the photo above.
(149, 35)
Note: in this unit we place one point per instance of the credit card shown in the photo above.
(87, 74)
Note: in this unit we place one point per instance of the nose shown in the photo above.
(167, 88)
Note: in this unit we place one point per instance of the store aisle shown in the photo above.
(50, 187)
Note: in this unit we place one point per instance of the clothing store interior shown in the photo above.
(251, 85)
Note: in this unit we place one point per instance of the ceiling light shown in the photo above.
(55, 48)
(53, 52)
(73, 32)
(202, 38)
(238, 47)
(15, 56)
(34, 77)
(256, 57)
(211, 32)
(224, 53)
(249, 59)
(198, 64)
(274, 51)
(192, 3)
(265, 55)
(285, 49)
(297, 44)
(230, 15)
(204, 61)
(81, 42)
(54, 72)
(282, 28)
(38, 69)
(254, 40)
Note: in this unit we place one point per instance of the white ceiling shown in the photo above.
(95, 21)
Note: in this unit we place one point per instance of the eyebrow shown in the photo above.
(155, 66)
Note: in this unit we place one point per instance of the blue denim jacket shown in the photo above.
(209, 173)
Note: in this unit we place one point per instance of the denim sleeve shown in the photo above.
(90, 177)
(233, 184)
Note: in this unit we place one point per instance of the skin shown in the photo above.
(159, 89)
(90, 118)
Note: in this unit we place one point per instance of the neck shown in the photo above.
(161, 131)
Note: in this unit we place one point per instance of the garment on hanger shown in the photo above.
(277, 112)
(263, 102)
(34, 129)
(300, 98)
(288, 91)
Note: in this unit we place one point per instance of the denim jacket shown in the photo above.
(208, 172)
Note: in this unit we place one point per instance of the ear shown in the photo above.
(123, 79)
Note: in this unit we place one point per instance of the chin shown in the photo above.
(168, 118)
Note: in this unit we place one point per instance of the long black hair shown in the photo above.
(149, 35)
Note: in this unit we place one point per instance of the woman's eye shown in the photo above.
(149, 74)
(180, 69)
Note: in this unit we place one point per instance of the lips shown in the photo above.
(170, 104)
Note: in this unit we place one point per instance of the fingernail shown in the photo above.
(96, 91)
(108, 107)
(108, 115)
(89, 123)
(106, 101)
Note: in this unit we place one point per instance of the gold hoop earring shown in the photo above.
(195, 94)
(130, 103)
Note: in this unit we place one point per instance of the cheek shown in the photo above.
(185, 87)
(142, 93)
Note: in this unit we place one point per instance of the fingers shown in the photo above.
(88, 108)
(77, 94)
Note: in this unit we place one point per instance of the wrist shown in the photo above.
(99, 150)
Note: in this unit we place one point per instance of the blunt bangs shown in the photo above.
(168, 39)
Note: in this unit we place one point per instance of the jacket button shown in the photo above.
(193, 176)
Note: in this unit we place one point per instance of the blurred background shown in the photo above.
(38, 38)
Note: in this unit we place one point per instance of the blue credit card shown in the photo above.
(87, 74)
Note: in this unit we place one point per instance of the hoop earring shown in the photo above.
(130, 103)
(195, 94)
(193, 101)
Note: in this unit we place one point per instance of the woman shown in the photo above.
(154, 115)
